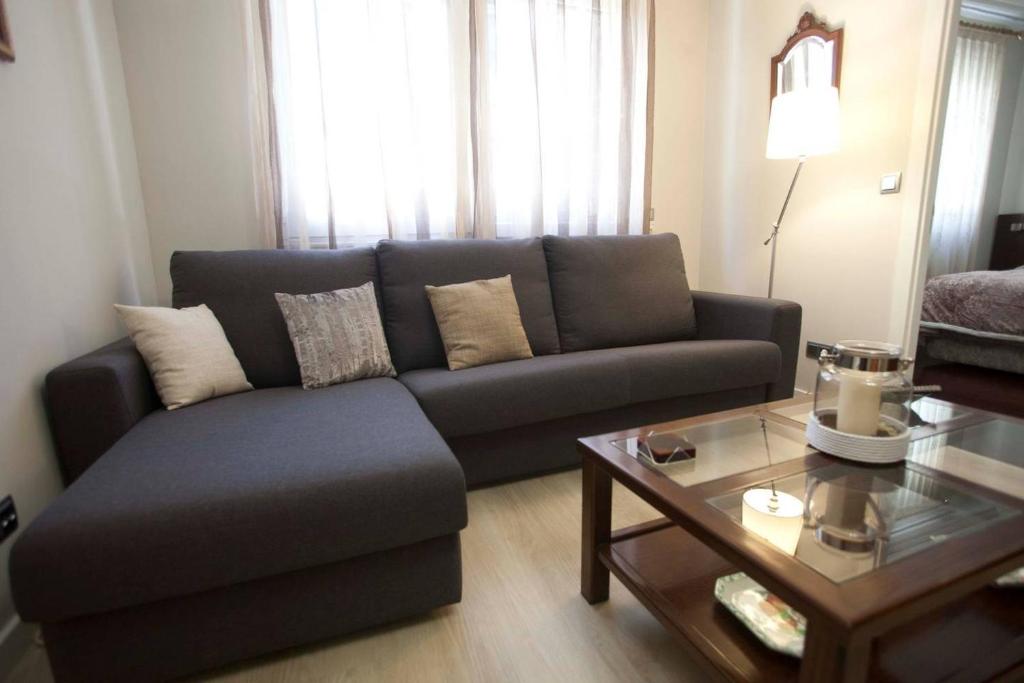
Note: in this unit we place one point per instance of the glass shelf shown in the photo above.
(902, 509)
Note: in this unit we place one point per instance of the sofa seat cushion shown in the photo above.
(239, 488)
(522, 392)
(685, 368)
(519, 392)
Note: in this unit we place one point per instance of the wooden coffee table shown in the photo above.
(920, 607)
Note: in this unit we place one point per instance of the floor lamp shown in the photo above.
(803, 123)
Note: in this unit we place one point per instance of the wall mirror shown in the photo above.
(811, 57)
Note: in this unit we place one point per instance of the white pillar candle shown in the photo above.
(775, 516)
(860, 402)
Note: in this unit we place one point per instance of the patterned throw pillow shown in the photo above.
(479, 322)
(338, 336)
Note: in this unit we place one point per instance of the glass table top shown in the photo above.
(926, 410)
(857, 517)
(990, 453)
(721, 448)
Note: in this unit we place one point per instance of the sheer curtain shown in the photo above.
(418, 119)
(966, 147)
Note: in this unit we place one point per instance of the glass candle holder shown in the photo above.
(862, 389)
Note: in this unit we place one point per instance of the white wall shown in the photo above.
(73, 227)
(677, 150)
(185, 68)
(840, 242)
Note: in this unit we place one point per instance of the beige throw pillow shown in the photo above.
(479, 322)
(338, 336)
(186, 352)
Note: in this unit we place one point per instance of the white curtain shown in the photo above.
(966, 148)
(418, 119)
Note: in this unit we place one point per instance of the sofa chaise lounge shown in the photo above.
(248, 523)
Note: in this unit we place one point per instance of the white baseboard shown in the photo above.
(15, 640)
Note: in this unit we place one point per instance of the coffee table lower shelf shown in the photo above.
(673, 575)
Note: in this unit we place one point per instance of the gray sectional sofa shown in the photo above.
(192, 538)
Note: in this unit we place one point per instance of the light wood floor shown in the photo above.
(521, 617)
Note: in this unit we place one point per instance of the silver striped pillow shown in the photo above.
(338, 336)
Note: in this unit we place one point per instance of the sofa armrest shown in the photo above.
(94, 400)
(729, 316)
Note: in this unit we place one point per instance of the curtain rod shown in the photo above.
(992, 29)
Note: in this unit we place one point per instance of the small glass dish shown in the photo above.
(772, 621)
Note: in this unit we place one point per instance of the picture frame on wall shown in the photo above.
(6, 44)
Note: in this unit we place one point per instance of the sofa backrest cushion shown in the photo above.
(619, 290)
(407, 267)
(239, 288)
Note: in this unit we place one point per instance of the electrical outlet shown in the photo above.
(814, 349)
(8, 518)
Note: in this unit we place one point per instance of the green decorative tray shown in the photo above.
(772, 621)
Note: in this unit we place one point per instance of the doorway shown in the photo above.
(971, 334)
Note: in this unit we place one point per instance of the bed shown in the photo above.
(972, 328)
(976, 318)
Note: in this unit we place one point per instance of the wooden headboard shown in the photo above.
(1008, 244)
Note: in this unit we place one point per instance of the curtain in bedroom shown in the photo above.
(966, 148)
(418, 119)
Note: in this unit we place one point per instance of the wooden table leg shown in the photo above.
(597, 530)
(828, 657)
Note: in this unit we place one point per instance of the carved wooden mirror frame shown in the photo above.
(808, 26)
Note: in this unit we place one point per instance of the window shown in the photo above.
(418, 119)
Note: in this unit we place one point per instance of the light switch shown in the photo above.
(891, 183)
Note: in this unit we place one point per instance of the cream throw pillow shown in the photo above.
(186, 352)
(479, 322)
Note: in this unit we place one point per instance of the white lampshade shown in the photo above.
(774, 516)
(804, 123)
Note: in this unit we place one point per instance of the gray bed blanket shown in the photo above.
(985, 301)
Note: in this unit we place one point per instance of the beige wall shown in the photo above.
(845, 251)
(677, 149)
(74, 232)
(185, 66)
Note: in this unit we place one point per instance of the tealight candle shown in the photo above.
(775, 516)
